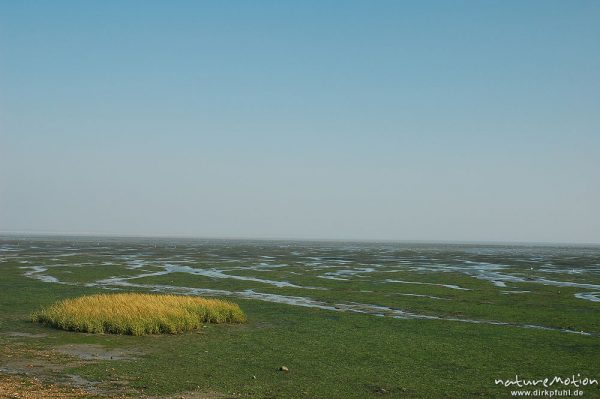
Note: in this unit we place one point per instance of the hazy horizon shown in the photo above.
(92, 235)
(386, 121)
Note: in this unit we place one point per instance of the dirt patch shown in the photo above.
(15, 387)
(31, 367)
(19, 387)
(19, 359)
(30, 373)
(82, 383)
(97, 352)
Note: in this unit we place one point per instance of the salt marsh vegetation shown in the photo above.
(137, 313)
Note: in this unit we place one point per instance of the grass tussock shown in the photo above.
(138, 314)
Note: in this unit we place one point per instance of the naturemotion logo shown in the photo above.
(573, 381)
(560, 386)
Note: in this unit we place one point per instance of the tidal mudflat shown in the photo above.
(348, 320)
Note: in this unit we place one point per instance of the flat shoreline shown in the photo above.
(190, 238)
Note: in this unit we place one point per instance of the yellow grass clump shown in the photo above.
(138, 314)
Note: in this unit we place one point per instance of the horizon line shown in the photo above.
(293, 239)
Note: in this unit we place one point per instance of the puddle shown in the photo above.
(344, 274)
(452, 286)
(35, 273)
(217, 273)
(589, 296)
(423, 296)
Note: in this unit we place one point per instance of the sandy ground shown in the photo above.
(16, 387)
(19, 387)
(27, 373)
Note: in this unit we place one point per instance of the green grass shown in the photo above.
(137, 314)
(329, 354)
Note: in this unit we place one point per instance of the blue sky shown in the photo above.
(344, 120)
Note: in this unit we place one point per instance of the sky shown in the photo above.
(361, 120)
